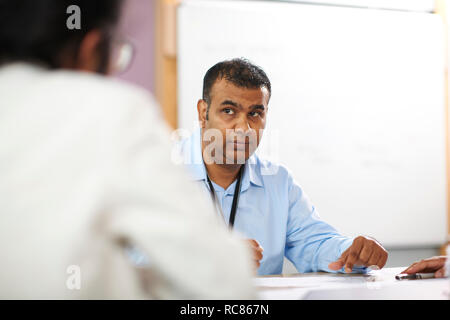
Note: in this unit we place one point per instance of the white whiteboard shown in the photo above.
(358, 105)
(408, 5)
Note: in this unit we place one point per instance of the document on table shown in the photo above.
(314, 281)
(297, 287)
(304, 282)
(379, 284)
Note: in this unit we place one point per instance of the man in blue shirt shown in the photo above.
(258, 198)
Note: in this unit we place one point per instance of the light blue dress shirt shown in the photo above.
(274, 210)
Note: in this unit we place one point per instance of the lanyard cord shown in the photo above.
(237, 192)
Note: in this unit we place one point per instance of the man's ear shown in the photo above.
(88, 54)
(202, 108)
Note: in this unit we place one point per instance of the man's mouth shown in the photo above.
(240, 145)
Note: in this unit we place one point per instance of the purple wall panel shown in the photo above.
(138, 26)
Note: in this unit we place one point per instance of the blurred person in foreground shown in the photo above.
(90, 204)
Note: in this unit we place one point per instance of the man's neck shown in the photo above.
(223, 174)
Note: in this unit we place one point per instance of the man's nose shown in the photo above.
(242, 126)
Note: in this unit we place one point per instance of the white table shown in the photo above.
(374, 286)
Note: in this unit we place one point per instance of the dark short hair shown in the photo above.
(36, 30)
(240, 72)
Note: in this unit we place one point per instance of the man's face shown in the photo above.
(239, 114)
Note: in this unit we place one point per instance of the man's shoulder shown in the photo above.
(113, 104)
(276, 177)
(269, 170)
(67, 94)
(39, 81)
(90, 87)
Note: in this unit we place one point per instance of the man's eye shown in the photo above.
(228, 111)
(254, 114)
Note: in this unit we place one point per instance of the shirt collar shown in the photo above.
(193, 154)
(198, 170)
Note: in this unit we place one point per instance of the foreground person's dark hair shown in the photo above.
(36, 31)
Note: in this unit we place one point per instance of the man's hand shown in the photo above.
(257, 251)
(364, 251)
(430, 265)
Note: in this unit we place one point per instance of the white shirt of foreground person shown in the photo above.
(85, 171)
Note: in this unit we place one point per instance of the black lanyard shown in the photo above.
(237, 192)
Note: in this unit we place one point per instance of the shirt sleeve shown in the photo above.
(311, 243)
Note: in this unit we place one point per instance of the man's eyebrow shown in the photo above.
(231, 103)
(258, 106)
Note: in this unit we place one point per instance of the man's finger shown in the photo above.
(382, 261)
(255, 244)
(350, 262)
(417, 267)
(339, 263)
(373, 260)
(429, 265)
(365, 255)
(353, 255)
(258, 248)
(336, 265)
(409, 268)
(257, 255)
(440, 273)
